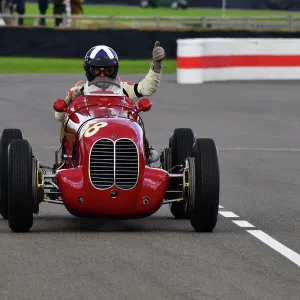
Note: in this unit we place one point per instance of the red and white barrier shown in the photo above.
(218, 59)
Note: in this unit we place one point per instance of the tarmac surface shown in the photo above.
(256, 127)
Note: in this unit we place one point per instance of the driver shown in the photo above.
(103, 61)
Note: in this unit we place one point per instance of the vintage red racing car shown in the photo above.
(101, 169)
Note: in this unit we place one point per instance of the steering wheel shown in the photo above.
(104, 84)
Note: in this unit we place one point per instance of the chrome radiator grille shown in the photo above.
(126, 164)
(102, 164)
(114, 163)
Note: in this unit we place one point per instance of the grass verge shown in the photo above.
(19, 65)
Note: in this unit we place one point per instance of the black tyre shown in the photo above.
(166, 159)
(178, 210)
(7, 136)
(20, 183)
(203, 204)
(181, 144)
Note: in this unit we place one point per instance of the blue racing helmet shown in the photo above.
(101, 61)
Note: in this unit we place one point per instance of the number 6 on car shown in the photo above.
(94, 129)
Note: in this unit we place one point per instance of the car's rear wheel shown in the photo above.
(6, 137)
(203, 204)
(20, 186)
(181, 144)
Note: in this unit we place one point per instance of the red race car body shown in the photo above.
(105, 171)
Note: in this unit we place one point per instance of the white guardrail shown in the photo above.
(224, 59)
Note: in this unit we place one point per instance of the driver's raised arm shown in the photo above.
(149, 85)
(145, 87)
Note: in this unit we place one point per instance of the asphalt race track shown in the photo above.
(256, 127)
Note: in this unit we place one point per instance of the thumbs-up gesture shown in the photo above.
(158, 56)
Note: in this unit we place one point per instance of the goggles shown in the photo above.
(96, 71)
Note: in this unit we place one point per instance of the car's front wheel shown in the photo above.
(20, 185)
(204, 185)
(6, 137)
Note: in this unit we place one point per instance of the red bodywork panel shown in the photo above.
(108, 121)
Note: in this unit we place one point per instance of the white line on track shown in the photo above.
(243, 223)
(263, 237)
(228, 214)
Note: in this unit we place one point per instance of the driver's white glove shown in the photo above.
(158, 55)
(73, 93)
